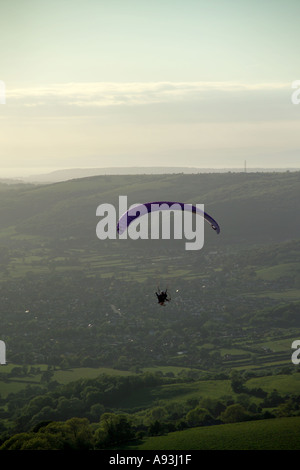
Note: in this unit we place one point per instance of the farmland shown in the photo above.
(85, 338)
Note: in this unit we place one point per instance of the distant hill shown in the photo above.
(71, 173)
(250, 207)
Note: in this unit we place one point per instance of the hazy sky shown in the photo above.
(96, 83)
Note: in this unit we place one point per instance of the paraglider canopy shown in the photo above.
(139, 210)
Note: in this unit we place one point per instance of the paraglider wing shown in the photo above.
(138, 210)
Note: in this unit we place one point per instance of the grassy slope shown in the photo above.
(274, 434)
(249, 207)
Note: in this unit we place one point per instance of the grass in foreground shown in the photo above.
(273, 434)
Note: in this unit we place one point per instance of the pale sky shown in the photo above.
(98, 83)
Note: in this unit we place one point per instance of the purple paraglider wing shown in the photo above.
(141, 209)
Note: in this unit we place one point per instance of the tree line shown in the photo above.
(92, 414)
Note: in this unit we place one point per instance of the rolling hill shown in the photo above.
(250, 208)
(72, 302)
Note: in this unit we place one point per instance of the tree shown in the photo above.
(199, 417)
(234, 414)
(81, 433)
(73, 434)
(47, 376)
(156, 428)
(214, 406)
(27, 441)
(113, 430)
(237, 382)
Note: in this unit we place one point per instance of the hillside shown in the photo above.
(75, 306)
(278, 434)
(71, 173)
(250, 208)
(67, 278)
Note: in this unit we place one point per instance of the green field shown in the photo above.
(14, 385)
(285, 384)
(288, 294)
(276, 272)
(163, 394)
(274, 434)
